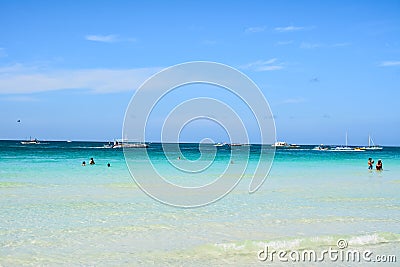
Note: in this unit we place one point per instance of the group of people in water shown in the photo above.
(379, 165)
(91, 162)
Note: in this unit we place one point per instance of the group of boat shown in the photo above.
(280, 144)
(346, 148)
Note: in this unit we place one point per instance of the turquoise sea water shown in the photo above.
(53, 211)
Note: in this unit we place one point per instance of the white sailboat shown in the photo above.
(347, 148)
(371, 145)
(343, 148)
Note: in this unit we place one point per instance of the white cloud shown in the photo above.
(102, 38)
(289, 29)
(255, 29)
(111, 38)
(268, 68)
(389, 63)
(19, 80)
(306, 45)
(259, 62)
(264, 65)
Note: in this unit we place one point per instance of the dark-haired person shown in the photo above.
(370, 164)
(379, 166)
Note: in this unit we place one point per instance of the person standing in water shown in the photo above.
(370, 163)
(379, 166)
(91, 162)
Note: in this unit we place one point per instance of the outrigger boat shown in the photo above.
(31, 142)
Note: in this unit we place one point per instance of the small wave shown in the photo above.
(251, 246)
(310, 242)
(244, 252)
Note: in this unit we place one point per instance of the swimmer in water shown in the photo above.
(379, 166)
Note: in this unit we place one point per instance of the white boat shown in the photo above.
(219, 144)
(294, 146)
(342, 148)
(347, 148)
(286, 145)
(321, 147)
(280, 144)
(371, 145)
(126, 144)
(31, 142)
(235, 144)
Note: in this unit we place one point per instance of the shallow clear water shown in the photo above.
(54, 211)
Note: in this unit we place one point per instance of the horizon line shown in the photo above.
(158, 142)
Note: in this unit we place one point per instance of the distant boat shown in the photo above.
(31, 142)
(280, 144)
(219, 144)
(321, 147)
(286, 145)
(126, 144)
(371, 145)
(294, 146)
(347, 148)
(235, 144)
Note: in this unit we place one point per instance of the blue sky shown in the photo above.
(68, 71)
